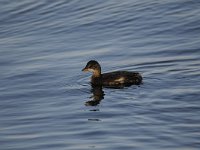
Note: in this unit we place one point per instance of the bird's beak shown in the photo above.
(84, 69)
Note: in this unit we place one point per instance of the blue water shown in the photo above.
(46, 102)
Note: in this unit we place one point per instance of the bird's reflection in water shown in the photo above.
(98, 95)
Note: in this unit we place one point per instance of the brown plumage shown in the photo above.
(117, 78)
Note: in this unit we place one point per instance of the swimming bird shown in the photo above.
(113, 79)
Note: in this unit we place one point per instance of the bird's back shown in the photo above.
(121, 77)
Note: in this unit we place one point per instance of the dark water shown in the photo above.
(46, 102)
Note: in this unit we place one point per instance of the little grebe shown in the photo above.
(116, 78)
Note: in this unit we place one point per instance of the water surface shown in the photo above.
(46, 102)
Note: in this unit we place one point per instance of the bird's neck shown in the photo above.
(96, 73)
